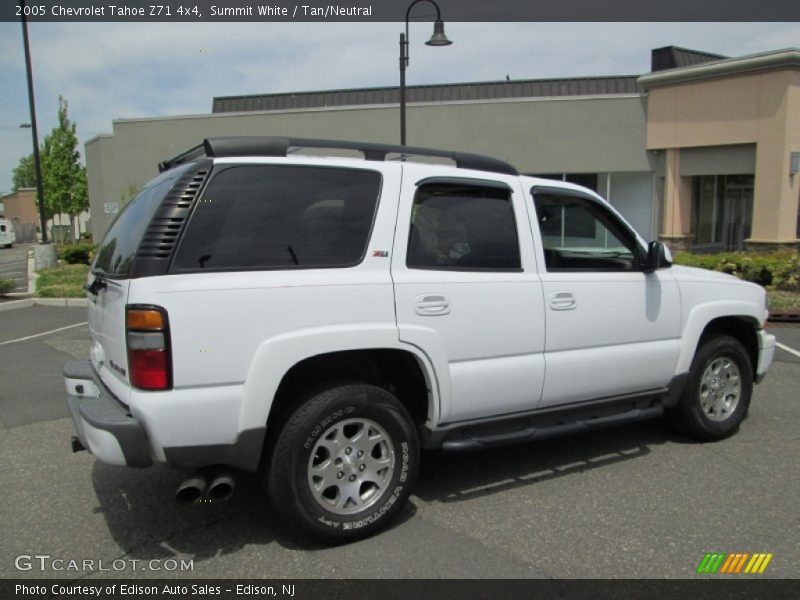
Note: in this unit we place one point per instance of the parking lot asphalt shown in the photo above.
(630, 502)
(14, 266)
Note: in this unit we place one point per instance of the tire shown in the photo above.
(328, 480)
(717, 394)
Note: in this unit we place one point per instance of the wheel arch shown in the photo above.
(312, 357)
(397, 371)
(739, 321)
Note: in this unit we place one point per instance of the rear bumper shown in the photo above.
(766, 352)
(104, 425)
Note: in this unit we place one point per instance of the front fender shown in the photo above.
(701, 315)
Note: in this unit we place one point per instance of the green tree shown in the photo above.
(25, 173)
(63, 176)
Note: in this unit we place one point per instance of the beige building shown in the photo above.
(21, 209)
(697, 152)
(729, 131)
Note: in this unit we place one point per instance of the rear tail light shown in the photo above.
(149, 359)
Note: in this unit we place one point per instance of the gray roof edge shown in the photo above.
(99, 136)
(424, 86)
(436, 86)
(771, 60)
(249, 113)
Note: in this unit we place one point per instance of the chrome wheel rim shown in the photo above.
(720, 389)
(351, 466)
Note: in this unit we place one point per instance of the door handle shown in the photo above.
(562, 301)
(432, 304)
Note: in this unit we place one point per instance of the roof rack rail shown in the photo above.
(185, 156)
(279, 146)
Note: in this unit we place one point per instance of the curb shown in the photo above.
(67, 302)
(32, 275)
(791, 317)
(28, 302)
(13, 304)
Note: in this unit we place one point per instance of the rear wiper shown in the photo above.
(97, 285)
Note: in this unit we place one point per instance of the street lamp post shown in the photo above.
(37, 160)
(437, 39)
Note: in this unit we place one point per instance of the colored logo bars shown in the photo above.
(734, 563)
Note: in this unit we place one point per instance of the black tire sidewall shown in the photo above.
(710, 350)
(327, 408)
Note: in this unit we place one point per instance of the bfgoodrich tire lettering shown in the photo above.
(344, 463)
(717, 394)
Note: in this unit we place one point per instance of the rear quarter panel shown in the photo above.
(234, 334)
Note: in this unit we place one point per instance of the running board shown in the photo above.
(476, 441)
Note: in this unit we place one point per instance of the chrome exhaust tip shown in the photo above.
(221, 487)
(191, 490)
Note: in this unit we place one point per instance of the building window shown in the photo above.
(722, 211)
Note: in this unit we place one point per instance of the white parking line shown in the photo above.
(30, 337)
(787, 349)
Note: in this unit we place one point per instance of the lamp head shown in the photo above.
(438, 38)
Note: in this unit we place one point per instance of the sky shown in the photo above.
(110, 71)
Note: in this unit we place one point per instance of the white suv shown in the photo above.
(319, 320)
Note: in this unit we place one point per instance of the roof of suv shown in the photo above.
(281, 146)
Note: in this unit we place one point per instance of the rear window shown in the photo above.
(281, 217)
(116, 253)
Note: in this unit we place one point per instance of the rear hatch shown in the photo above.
(110, 280)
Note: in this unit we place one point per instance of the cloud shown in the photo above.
(128, 70)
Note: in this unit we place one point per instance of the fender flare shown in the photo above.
(276, 356)
(699, 318)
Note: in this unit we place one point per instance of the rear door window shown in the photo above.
(463, 227)
(115, 254)
(281, 217)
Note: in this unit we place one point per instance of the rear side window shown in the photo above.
(116, 253)
(281, 217)
(461, 227)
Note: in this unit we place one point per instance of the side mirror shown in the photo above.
(658, 257)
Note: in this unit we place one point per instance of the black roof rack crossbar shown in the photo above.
(185, 156)
(279, 146)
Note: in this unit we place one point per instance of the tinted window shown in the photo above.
(579, 234)
(122, 240)
(273, 217)
(463, 227)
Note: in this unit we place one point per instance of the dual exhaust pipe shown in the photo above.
(215, 488)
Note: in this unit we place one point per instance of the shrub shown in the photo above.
(6, 286)
(77, 254)
(778, 270)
